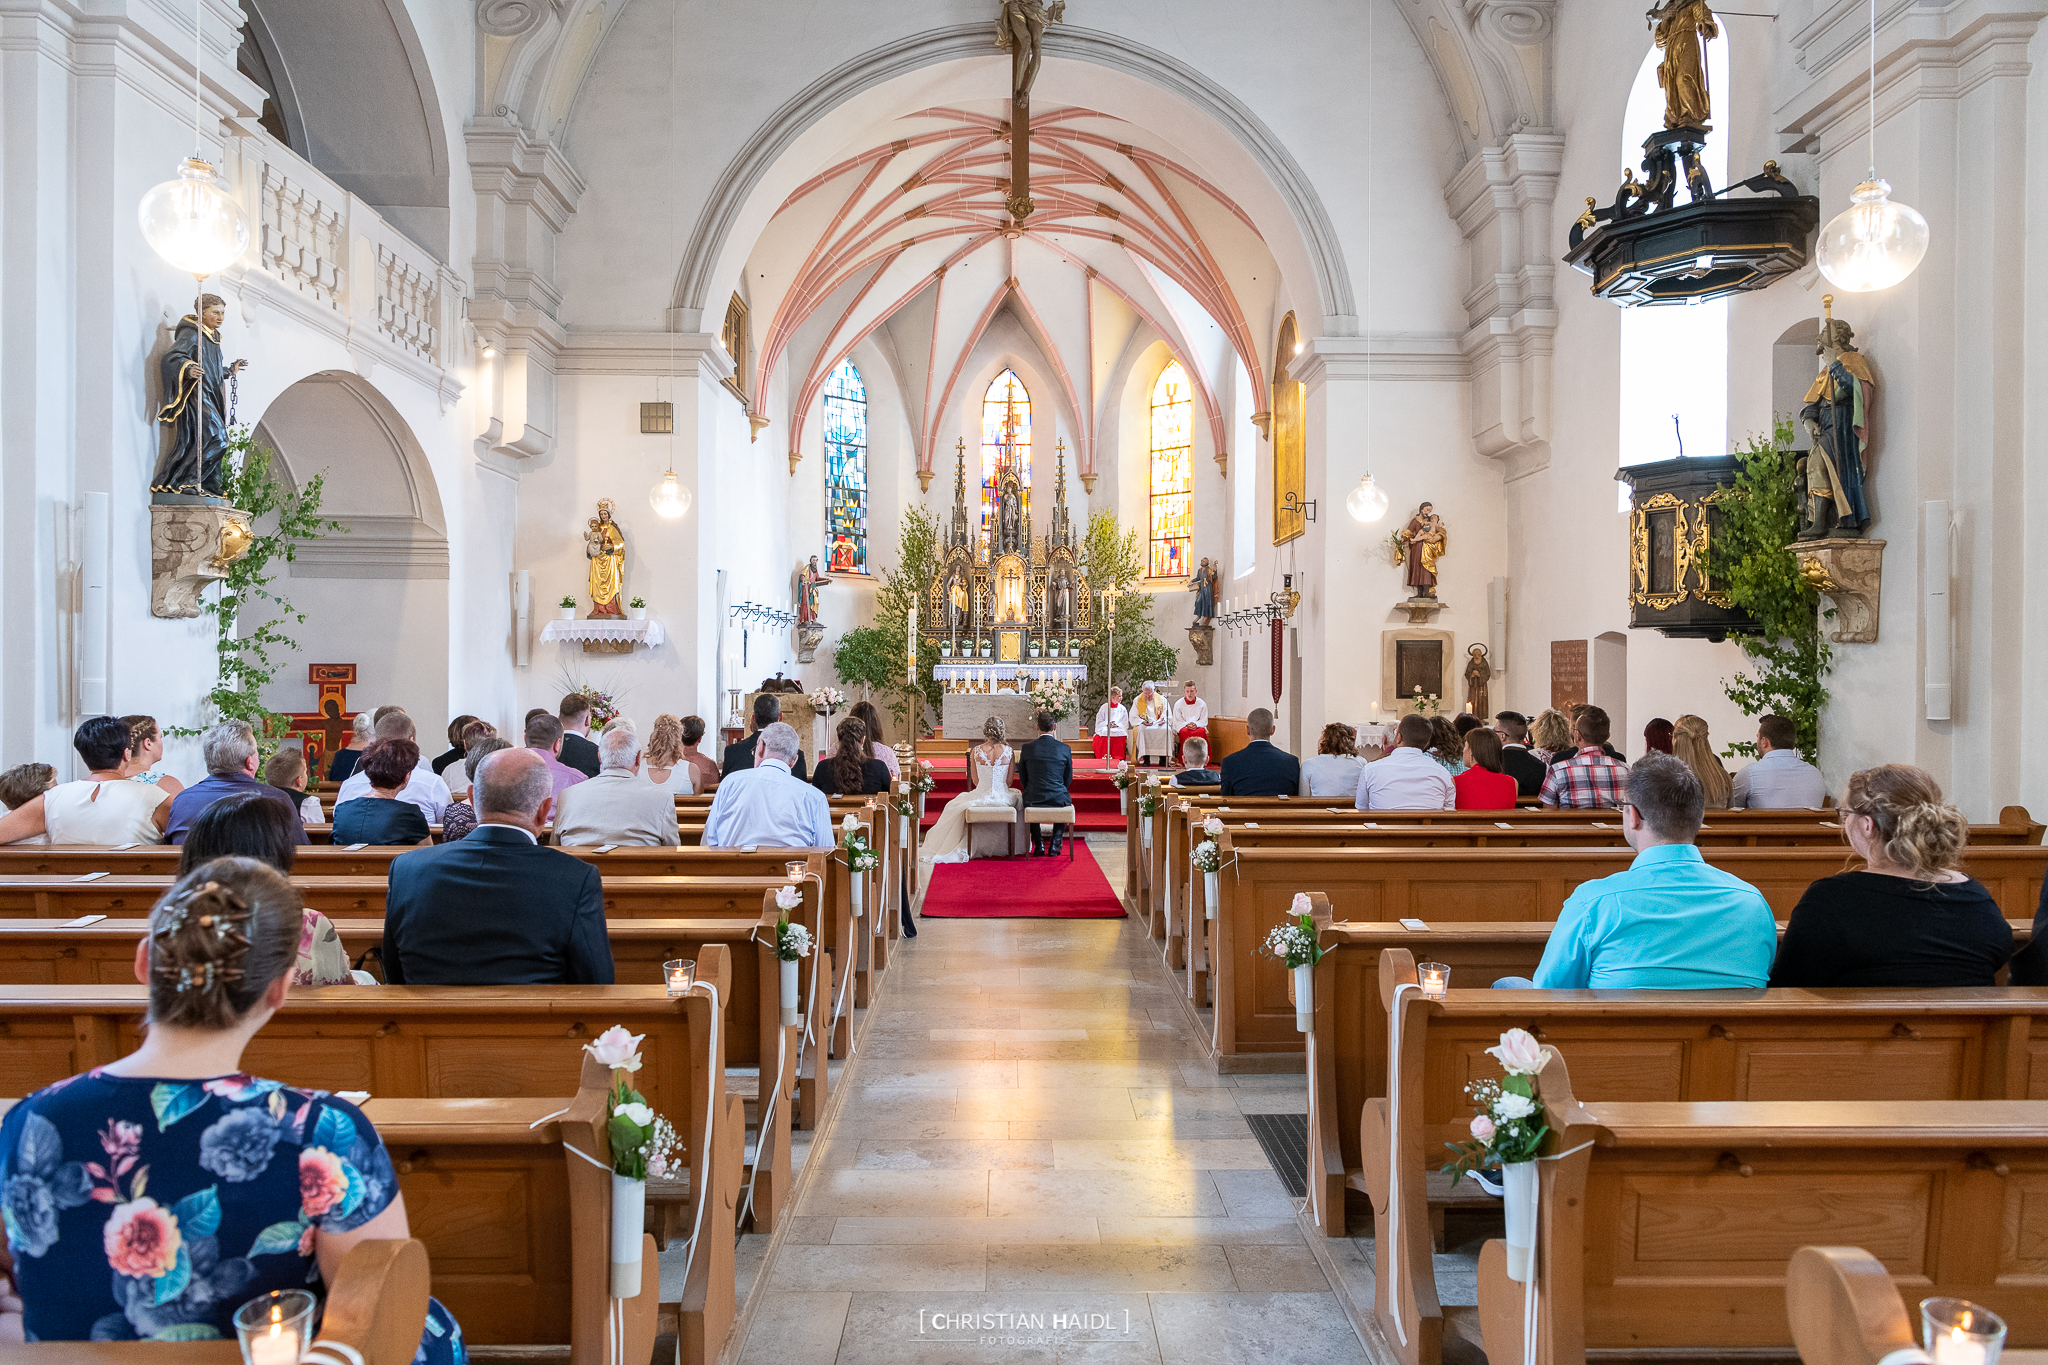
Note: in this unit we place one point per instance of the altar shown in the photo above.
(964, 713)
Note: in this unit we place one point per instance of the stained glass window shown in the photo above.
(846, 470)
(1173, 472)
(1005, 435)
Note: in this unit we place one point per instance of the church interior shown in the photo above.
(1417, 580)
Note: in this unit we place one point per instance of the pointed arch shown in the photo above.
(1005, 440)
(1172, 468)
(846, 469)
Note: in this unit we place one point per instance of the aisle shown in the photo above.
(1028, 1128)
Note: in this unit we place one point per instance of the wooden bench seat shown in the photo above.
(1844, 1310)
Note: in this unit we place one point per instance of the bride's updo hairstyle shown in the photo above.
(1915, 828)
(992, 728)
(217, 941)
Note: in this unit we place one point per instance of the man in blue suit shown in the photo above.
(496, 908)
(1260, 769)
(1046, 767)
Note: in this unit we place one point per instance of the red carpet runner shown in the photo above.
(1095, 804)
(1022, 888)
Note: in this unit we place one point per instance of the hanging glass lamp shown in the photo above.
(194, 223)
(1874, 243)
(1367, 502)
(669, 498)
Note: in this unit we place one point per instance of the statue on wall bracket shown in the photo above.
(810, 628)
(1202, 583)
(1837, 412)
(198, 388)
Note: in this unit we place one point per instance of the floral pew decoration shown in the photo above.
(861, 858)
(1293, 942)
(1208, 857)
(1508, 1133)
(643, 1144)
(792, 945)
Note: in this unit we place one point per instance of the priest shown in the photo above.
(1112, 727)
(1149, 726)
(1189, 717)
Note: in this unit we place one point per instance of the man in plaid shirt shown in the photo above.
(1589, 779)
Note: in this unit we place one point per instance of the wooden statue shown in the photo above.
(807, 580)
(1683, 28)
(195, 408)
(1837, 412)
(1203, 585)
(604, 545)
(1426, 543)
(1478, 672)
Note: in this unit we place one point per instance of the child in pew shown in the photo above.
(23, 783)
(286, 771)
(250, 1185)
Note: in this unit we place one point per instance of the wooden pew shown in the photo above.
(1444, 886)
(1844, 1310)
(1347, 1052)
(1669, 1227)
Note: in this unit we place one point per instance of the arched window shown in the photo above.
(846, 470)
(1005, 438)
(1173, 472)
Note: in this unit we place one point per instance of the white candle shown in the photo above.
(1955, 1347)
(1435, 979)
(274, 1347)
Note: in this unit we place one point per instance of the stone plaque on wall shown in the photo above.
(1414, 656)
(1419, 664)
(1567, 673)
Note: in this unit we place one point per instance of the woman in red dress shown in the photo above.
(1483, 786)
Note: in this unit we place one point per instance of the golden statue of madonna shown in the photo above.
(604, 545)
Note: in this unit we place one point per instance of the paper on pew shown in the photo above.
(119, 847)
(90, 876)
(82, 921)
(1371, 824)
(1251, 824)
(1420, 926)
(352, 1096)
(1502, 824)
(606, 848)
(350, 848)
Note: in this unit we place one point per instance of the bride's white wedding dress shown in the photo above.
(947, 842)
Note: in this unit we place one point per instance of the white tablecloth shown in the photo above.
(647, 633)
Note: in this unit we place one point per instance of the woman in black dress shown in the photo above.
(853, 770)
(1910, 917)
(380, 817)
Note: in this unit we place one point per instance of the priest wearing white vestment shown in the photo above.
(1189, 716)
(1112, 727)
(1149, 727)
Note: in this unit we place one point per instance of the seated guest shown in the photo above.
(703, 772)
(233, 1157)
(662, 760)
(1657, 736)
(1111, 735)
(1590, 779)
(1672, 921)
(1045, 767)
(1516, 760)
(1690, 745)
(1570, 751)
(230, 751)
(878, 745)
(1188, 716)
(1465, 722)
(380, 817)
(456, 751)
(457, 775)
(1779, 779)
(767, 803)
(361, 734)
(101, 808)
(618, 806)
(495, 908)
(1407, 778)
(544, 737)
(2030, 968)
(1198, 773)
(851, 771)
(1910, 917)
(1483, 785)
(23, 783)
(578, 750)
(1260, 768)
(1446, 746)
(740, 755)
(1334, 770)
(286, 771)
(147, 743)
(252, 827)
(1551, 736)
(460, 816)
(424, 789)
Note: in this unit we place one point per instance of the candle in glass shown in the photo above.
(1435, 978)
(273, 1327)
(680, 974)
(1958, 1332)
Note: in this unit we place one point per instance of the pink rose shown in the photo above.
(657, 1166)
(1300, 905)
(617, 1048)
(121, 1139)
(1482, 1128)
(1519, 1054)
(142, 1239)
(322, 1181)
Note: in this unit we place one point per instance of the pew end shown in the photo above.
(1844, 1308)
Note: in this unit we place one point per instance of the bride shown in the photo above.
(991, 768)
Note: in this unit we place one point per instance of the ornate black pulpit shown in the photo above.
(1674, 515)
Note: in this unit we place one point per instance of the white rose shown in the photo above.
(1510, 1106)
(617, 1049)
(789, 897)
(1300, 905)
(1212, 826)
(850, 823)
(639, 1115)
(1519, 1054)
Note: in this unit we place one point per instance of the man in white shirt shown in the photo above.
(426, 789)
(618, 806)
(1407, 778)
(1189, 716)
(1779, 779)
(767, 806)
(1112, 727)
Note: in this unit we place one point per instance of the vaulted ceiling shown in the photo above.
(906, 241)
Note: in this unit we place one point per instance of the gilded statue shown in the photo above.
(1426, 540)
(1683, 28)
(1020, 31)
(1639, 554)
(1682, 550)
(1010, 592)
(604, 545)
(195, 388)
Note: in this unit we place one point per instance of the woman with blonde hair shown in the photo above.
(1550, 738)
(1690, 745)
(662, 761)
(1910, 916)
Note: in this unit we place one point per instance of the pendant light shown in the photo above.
(1874, 243)
(670, 498)
(1367, 502)
(192, 221)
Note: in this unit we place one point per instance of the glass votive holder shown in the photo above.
(794, 871)
(679, 975)
(275, 1328)
(1958, 1332)
(1435, 978)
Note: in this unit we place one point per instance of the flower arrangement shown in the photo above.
(604, 706)
(828, 700)
(860, 853)
(792, 941)
(1055, 695)
(1150, 802)
(1293, 940)
(920, 778)
(1125, 776)
(1208, 855)
(1425, 703)
(1509, 1126)
(632, 1126)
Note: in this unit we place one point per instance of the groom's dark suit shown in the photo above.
(1047, 769)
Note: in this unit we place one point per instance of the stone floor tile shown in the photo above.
(1220, 1231)
(1276, 1269)
(986, 1231)
(1158, 1193)
(1214, 1154)
(1004, 1155)
(907, 1268)
(882, 1194)
(1132, 1267)
(1254, 1194)
(1254, 1329)
(796, 1328)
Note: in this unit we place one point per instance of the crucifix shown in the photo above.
(1020, 31)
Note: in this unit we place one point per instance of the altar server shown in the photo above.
(1189, 717)
(1112, 727)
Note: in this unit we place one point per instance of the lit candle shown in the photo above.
(278, 1346)
(680, 975)
(1958, 1347)
(1435, 978)
(1375, 713)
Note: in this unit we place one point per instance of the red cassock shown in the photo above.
(1114, 747)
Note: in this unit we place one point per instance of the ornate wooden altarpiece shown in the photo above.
(1673, 517)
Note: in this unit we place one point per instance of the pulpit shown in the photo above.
(1673, 518)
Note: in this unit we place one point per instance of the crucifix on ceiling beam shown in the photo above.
(1020, 31)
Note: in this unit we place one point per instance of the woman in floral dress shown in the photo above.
(152, 1197)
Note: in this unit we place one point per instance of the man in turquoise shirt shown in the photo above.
(1670, 922)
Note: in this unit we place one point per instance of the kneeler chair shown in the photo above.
(1054, 815)
(991, 831)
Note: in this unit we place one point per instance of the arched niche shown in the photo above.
(1795, 361)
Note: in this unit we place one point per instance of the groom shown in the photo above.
(1047, 767)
